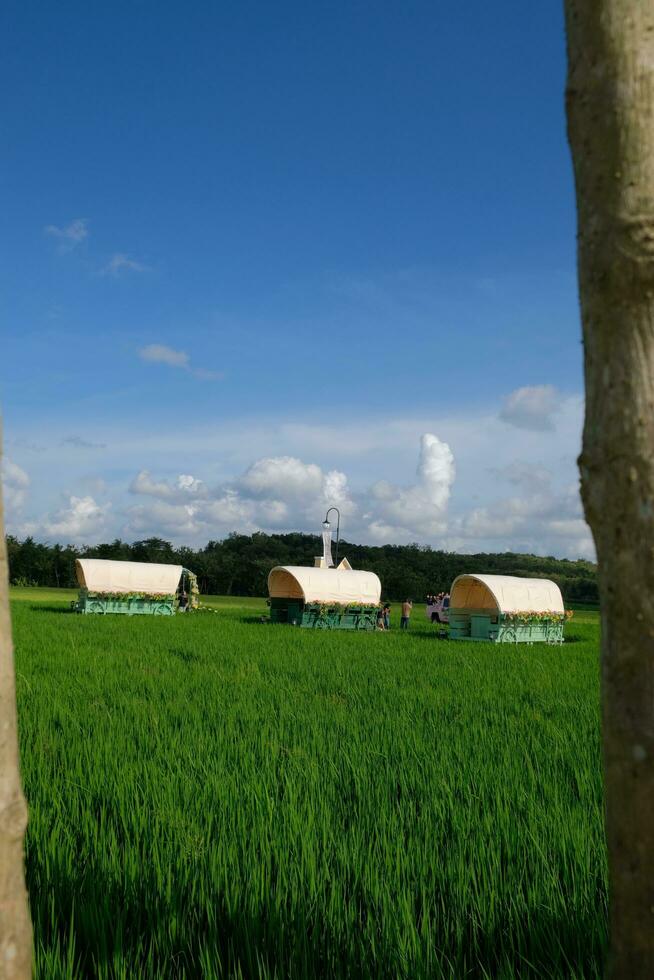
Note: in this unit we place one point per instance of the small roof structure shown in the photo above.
(342, 584)
(101, 575)
(505, 593)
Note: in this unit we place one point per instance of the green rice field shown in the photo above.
(212, 796)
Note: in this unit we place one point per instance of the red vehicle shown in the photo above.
(438, 607)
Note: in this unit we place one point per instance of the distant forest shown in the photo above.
(239, 564)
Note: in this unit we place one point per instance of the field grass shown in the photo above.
(210, 796)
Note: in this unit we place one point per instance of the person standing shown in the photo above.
(407, 606)
(387, 616)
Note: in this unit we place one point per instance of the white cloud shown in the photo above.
(69, 237)
(120, 263)
(282, 476)
(143, 483)
(274, 493)
(80, 520)
(420, 509)
(542, 520)
(532, 407)
(335, 491)
(15, 484)
(176, 520)
(230, 509)
(162, 354)
(284, 493)
(515, 489)
(184, 487)
(202, 519)
(190, 485)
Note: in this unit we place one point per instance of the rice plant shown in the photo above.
(215, 797)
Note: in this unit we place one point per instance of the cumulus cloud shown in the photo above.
(274, 493)
(517, 494)
(189, 484)
(120, 263)
(143, 483)
(335, 491)
(81, 519)
(175, 520)
(282, 476)
(285, 493)
(184, 486)
(399, 513)
(532, 407)
(70, 236)
(538, 519)
(15, 485)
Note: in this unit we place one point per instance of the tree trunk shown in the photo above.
(15, 927)
(610, 105)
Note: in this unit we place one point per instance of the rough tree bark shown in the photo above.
(610, 105)
(15, 927)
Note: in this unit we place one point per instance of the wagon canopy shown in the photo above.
(100, 575)
(324, 585)
(505, 593)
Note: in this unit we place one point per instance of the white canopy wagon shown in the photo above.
(506, 609)
(133, 587)
(324, 598)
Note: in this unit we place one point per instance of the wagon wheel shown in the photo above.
(321, 623)
(552, 635)
(97, 607)
(161, 610)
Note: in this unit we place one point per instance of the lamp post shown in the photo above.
(327, 527)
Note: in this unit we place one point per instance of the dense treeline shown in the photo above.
(239, 565)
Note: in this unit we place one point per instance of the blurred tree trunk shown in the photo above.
(15, 926)
(610, 105)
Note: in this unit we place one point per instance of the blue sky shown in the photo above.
(256, 245)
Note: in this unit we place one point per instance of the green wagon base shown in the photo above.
(484, 626)
(89, 602)
(315, 615)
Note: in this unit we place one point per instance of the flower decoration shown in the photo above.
(530, 617)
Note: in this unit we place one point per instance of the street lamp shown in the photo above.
(327, 526)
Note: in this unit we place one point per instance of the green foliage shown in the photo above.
(239, 565)
(210, 796)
